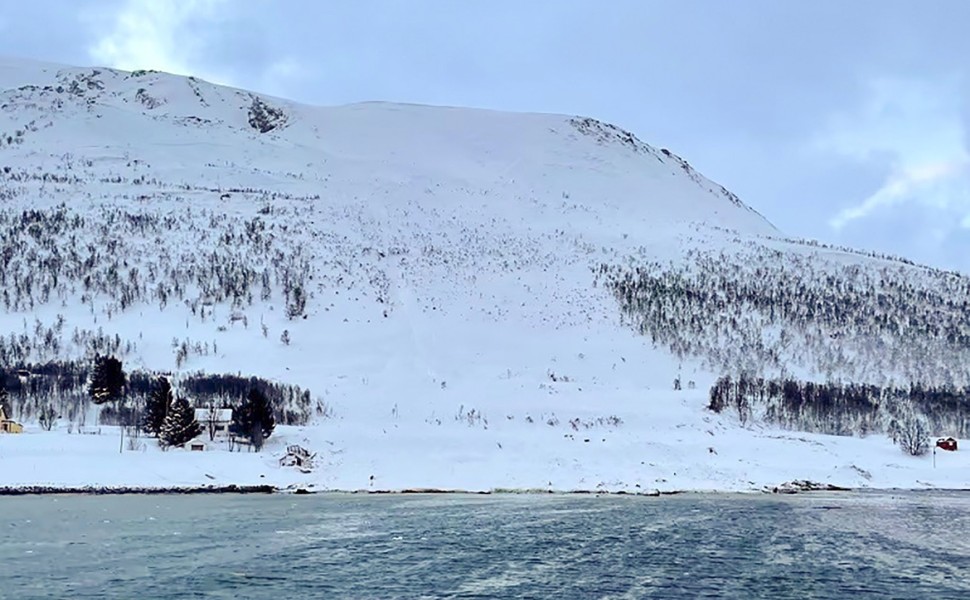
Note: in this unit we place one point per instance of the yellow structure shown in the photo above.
(9, 425)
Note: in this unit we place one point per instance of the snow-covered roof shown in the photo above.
(221, 414)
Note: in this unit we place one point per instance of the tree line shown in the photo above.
(847, 409)
(59, 390)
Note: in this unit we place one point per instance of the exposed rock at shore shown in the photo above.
(804, 485)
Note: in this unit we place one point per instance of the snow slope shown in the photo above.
(452, 326)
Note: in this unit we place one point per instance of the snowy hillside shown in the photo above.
(454, 287)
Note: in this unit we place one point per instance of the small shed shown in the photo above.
(948, 443)
(9, 425)
(197, 445)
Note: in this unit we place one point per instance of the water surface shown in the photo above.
(912, 545)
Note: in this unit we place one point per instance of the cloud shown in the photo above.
(919, 128)
(940, 186)
(280, 76)
(158, 34)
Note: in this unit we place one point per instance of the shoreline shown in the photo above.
(50, 490)
(782, 490)
(47, 490)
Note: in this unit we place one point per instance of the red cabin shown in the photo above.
(947, 444)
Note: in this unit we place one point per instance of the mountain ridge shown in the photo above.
(461, 290)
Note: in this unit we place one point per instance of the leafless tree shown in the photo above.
(47, 417)
(212, 422)
(914, 435)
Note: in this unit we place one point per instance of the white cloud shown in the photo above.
(282, 75)
(941, 186)
(918, 127)
(152, 34)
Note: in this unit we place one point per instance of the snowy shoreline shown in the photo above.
(44, 490)
(647, 456)
(788, 488)
(34, 490)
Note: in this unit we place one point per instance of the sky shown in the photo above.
(847, 122)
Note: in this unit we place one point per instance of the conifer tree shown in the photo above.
(157, 406)
(253, 419)
(3, 394)
(107, 384)
(180, 424)
(107, 381)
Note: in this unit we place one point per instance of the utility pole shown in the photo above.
(121, 425)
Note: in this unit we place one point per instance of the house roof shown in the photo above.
(222, 415)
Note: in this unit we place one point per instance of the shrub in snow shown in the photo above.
(47, 417)
(914, 434)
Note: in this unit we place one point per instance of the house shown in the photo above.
(214, 421)
(947, 443)
(9, 425)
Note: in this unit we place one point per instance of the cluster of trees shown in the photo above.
(263, 117)
(172, 419)
(810, 243)
(908, 414)
(56, 391)
(48, 342)
(292, 405)
(763, 311)
(58, 254)
(757, 313)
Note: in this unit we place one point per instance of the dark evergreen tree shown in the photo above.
(253, 419)
(107, 381)
(180, 424)
(3, 394)
(157, 406)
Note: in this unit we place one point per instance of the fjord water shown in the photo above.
(905, 545)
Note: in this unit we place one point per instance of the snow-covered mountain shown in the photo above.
(474, 299)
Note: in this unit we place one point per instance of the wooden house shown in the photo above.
(9, 425)
(214, 421)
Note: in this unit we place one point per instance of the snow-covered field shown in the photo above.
(452, 326)
(664, 445)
